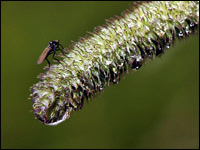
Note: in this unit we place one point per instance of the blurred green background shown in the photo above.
(155, 107)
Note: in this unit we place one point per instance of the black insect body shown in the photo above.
(52, 48)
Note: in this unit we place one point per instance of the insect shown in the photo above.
(52, 48)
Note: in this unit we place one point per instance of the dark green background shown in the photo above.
(155, 107)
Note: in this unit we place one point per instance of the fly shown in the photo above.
(52, 48)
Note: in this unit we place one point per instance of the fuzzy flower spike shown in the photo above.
(97, 60)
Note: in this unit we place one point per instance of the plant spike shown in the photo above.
(98, 59)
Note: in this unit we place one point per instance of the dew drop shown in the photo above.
(149, 53)
(101, 88)
(137, 63)
(115, 81)
(180, 34)
(168, 45)
(159, 51)
(187, 31)
(191, 24)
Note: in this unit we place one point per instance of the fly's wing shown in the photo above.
(43, 55)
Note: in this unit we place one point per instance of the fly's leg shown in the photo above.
(47, 58)
(57, 59)
(63, 52)
(61, 46)
(61, 49)
(48, 62)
